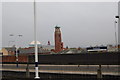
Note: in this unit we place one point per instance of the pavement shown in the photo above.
(65, 69)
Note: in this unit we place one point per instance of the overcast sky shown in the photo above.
(82, 23)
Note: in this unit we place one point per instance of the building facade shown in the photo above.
(8, 50)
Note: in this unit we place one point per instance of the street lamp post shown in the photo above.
(117, 22)
(9, 43)
(36, 48)
(11, 35)
(16, 51)
(115, 35)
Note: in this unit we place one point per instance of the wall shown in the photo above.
(22, 58)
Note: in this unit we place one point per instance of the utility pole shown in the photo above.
(36, 48)
(117, 17)
(116, 45)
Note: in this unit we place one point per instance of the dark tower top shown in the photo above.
(57, 27)
(48, 42)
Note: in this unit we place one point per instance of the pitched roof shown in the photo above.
(10, 48)
(32, 50)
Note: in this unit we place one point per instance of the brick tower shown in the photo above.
(58, 40)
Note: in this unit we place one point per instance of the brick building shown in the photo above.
(58, 40)
(8, 50)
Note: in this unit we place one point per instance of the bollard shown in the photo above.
(17, 64)
(27, 71)
(99, 73)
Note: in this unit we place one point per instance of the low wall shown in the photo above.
(21, 58)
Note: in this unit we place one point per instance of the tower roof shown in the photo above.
(57, 27)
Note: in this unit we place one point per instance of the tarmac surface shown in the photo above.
(60, 72)
(69, 69)
(12, 75)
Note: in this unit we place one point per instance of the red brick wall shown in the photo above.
(13, 59)
(8, 59)
(22, 59)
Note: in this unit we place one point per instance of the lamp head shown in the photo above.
(116, 16)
